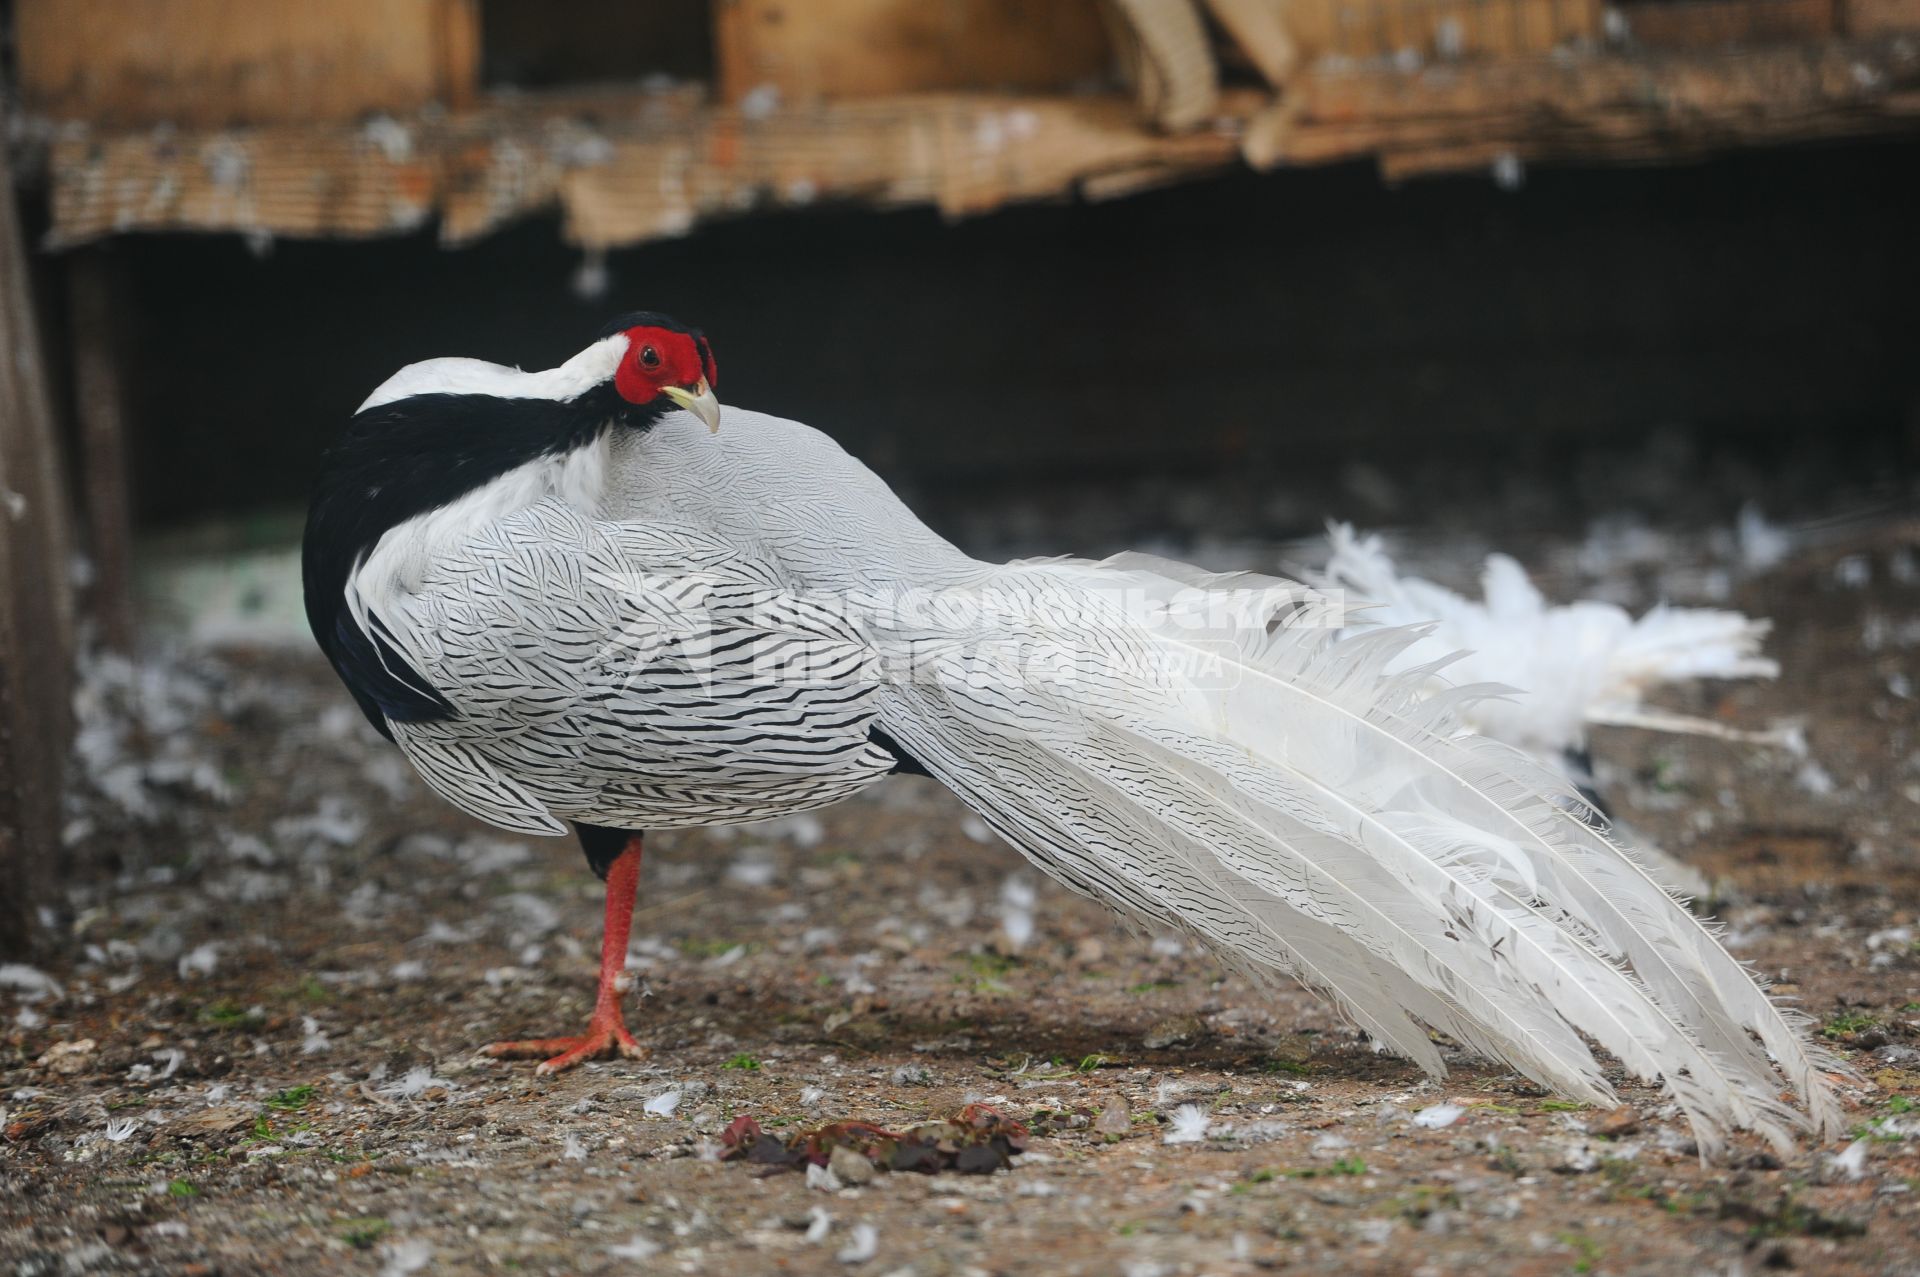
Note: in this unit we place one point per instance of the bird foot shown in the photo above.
(606, 1038)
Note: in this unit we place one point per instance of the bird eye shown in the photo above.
(649, 357)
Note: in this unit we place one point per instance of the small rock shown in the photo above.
(212, 1122)
(67, 1057)
(912, 1075)
(1621, 1121)
(850, 1167)
(1115, 1118)
(1173, 1031)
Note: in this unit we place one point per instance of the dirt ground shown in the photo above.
(257, 1054)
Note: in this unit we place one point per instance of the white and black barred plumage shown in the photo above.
(657, 625)
(616, 673)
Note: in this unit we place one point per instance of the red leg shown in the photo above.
(606, 1034)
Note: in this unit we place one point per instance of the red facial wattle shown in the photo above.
(660, 357)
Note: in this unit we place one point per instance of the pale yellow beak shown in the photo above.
(700, 401)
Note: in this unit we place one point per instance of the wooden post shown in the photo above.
(95, 340)
(36, 608)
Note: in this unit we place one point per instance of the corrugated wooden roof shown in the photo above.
(627, 166)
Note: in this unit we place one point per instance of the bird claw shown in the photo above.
(606, 1038)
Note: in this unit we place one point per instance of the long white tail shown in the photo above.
(1274, 791)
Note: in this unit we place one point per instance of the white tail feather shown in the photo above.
(1316, 815)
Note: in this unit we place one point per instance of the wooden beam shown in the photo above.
(812, 50)
(95, 339)
(1169, 61)
(216, 63)
(1710, 24)
(36, 613)
(1655, 108)
(1260, 28)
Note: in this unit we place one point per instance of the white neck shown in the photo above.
(454, 376)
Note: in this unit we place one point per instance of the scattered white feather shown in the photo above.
(822, 1179)
(1577, 663)
(663, 1104)
(535, 914)
(637, 1247)
(488, 855)
(819, 1224)
(1763, 545)
(314, 1040)
(812, 1095)
(571, 1149)
(119, 1132)
(864, 1246)
(414, 1083)
(1436, 1116)
(406, 1258)
(335, 821)
(171, 1058)
(753, 870)
(1189, 1125)
(1815, 779)
(1169, 1091)
(33, 984)
(409, 970)
(200, 961)
(1852, 1160)
(805, 829)
(1330, 1144)
(1017, 899)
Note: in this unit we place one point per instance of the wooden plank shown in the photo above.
(1260, 29)
(36, 616)
(214, 63)
(1712, 24)
(1640, 110)
(814, 50)
(1443, 29)
(1881, 17)
(1754, 81)
(1168, 59)
(94, 338)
